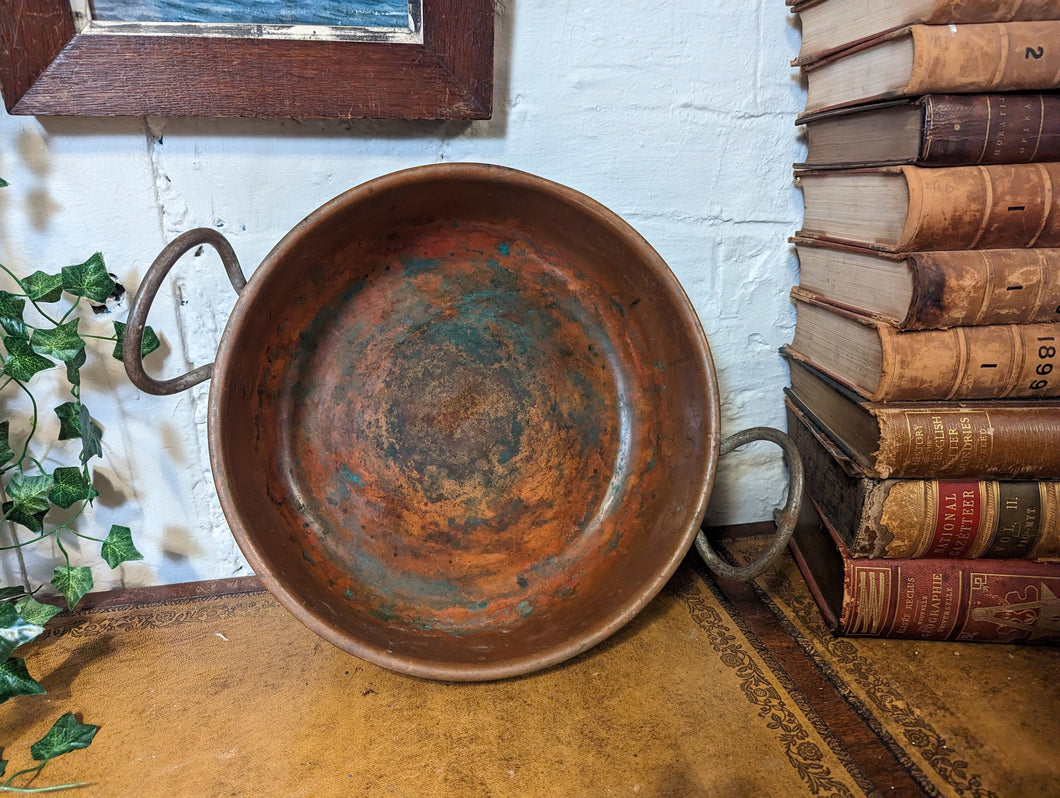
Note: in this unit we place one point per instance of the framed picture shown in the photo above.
(421, 59)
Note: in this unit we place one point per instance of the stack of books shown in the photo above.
(925, 362)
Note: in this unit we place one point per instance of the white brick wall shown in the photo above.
(678, 116)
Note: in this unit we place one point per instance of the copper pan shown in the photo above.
(463, 420)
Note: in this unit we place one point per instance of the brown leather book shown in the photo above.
(938, 59)
(931, 290)
(831, 25)
(936, 130)
(984, 600)
(882, 364)
(918, 518)
(911, 208)
(1001, 439)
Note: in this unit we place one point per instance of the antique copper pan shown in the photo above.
(463, 420)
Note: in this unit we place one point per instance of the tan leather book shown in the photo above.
(882, 364)
(932, 290)
(936, 130)
(1000, 439)
(911, 208)
(831, 25)
(938, 59)
(916, 518)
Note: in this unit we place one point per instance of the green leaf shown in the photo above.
(3, 762)
(36, 611)
(73, 368)
(89, 279)
(4, 183)
(70, 485)
(118, 547)
(15, 630)
(63, 343)
(29, 500)
(73, 582)
(15, 680)
(21, 361)
(11, 593)
(6, 453)
(91, 436)
(11, 308)
(149, 344)
(69, 420)
(34, 522)
(65, 735)
(42, 287)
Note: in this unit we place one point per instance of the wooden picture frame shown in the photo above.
(48, 68)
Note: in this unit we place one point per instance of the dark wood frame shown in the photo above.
(46, 68)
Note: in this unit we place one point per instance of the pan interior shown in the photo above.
(467, 429)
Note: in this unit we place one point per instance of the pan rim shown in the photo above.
(691, 514)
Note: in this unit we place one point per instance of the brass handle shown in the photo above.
(785, 520)
(134, 330)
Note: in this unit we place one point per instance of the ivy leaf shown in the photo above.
(34, 522)
(65, 735)
(91, 436)
(30, 493)
(42, 287)
(63, 343)
(6, 453)
(15, 680)
(4, 183)
(73, 419)
(73, 368)
(10, 593)
(69, 420)
(21, 361)
(29, 500)
(15, 630)
(70, 485)
(149, 345)
(73, 581)
(36, 611)
(11, 308)
(118, 547)
(89, 279)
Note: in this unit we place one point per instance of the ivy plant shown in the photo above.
(49, 343)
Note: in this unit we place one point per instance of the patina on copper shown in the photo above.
(463, 421)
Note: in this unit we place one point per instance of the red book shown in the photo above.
(984, 600)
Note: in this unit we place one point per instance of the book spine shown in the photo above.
(968, 129)
(997, 361)
(931, 599)
(916, 518)
(969, 520)
(982, 207)
(968, 442)
(958, 11)
(993, 56)
(983, 286)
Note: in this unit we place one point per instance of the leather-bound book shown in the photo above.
(985, 600)
(932, 290)
(882, 364)
(1001, 439)
(936, 130)
(911, 208)
(918, 518)
(831, 25)
(938, 59)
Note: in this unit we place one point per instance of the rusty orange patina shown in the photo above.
(464, 422)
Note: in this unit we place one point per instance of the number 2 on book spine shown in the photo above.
(1046, 352)
(1031, 52)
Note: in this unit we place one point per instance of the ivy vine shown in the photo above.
(32, 491)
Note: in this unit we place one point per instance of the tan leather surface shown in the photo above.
(229, 695)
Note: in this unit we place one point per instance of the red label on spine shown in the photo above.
(960, 506)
